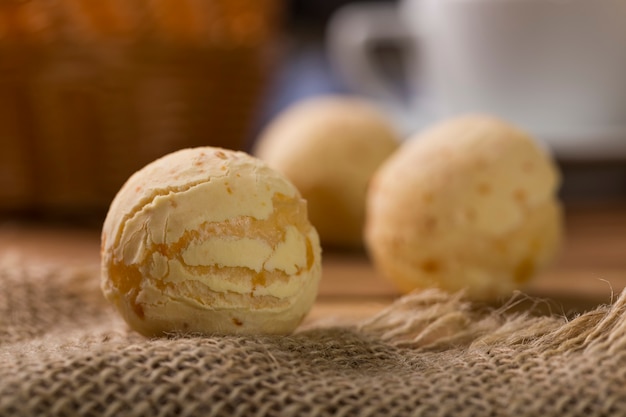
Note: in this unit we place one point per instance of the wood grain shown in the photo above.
(590, 270)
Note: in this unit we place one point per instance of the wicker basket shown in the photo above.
(92, 90)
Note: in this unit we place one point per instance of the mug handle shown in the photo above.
(352, 34)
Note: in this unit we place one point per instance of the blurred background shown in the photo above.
(90, 91)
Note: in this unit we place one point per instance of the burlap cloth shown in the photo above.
(63, 352)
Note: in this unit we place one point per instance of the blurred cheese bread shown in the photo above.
(329, 147)
(469, 204)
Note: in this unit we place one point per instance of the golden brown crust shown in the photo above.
(204, 236)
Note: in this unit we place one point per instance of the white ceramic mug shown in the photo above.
(555, 67)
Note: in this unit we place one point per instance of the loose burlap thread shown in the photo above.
(64, 352)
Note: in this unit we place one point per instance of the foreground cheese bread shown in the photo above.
(207, 240)
(329, 147)
(468, 204)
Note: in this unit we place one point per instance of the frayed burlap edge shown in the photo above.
(433, 320)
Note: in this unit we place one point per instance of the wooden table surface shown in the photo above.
(590, 270)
